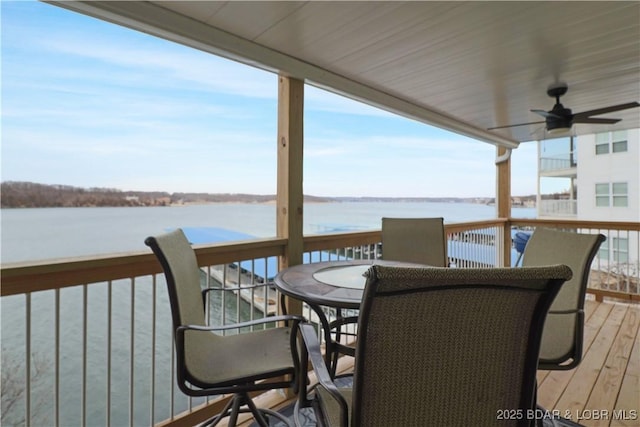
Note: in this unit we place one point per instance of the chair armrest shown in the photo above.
(571, 311)
(205, 291)
(312, 346)
(343, 321)
(290, 317)
(237, 287)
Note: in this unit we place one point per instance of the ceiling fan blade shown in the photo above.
(510, 126)
(546, 114)
(605, 110)
(596, 121)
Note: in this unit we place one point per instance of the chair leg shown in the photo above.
(260, 414)
(223, 414)
(257, 413)
(235, 407)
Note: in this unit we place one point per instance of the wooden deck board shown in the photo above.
(629, 397)
(605, 385)
(551, 384)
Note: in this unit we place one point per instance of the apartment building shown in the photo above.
(594, 178)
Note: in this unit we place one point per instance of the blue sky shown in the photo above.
(91, 104)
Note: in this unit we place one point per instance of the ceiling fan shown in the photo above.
(560, 119)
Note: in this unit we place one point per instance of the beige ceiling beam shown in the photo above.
(155, 20)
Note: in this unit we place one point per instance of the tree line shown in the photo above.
(34, 195)
(17, 194)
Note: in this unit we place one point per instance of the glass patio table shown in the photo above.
(333, 284)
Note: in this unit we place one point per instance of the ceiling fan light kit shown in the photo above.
(559, 130)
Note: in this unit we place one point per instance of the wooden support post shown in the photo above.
(503, 200)
(290, 154)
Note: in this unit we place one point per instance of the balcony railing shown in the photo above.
(88, 341)
(559, 162)
(558, 208)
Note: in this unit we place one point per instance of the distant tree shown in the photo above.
(14, 388)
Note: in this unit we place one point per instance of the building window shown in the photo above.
(615, 194)
(620, 249)
(602, 195)
(614, 142)
(619, 141)
(619, 194)
(602, 143)
(619, 146)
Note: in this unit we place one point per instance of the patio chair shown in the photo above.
(209, 363)
(561, 347)
(440, 346)
(520, 241)
(417, 240)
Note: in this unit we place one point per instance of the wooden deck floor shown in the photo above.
(604, 390)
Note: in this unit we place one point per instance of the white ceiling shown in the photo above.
(464, 66)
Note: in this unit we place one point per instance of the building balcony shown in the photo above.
(564, 165)
(88, 341)
(558, 208)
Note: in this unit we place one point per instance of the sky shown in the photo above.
(89, 104)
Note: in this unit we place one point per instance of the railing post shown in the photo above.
(290, 153)
(503, 201)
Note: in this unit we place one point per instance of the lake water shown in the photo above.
(36, 234)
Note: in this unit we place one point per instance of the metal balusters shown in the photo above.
(223, 300)
(83, 409)
(57, 358)
(109, 346)
(173, 378)
(132, 352)
(154, 303)
(27, 415)
(238, 292)
(252, 281)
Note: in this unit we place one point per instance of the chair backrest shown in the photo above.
(443, 346)
(563, 333)
(418, 240)
(182, 274)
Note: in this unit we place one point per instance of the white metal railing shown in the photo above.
(559, 162)
(476, 248)
(616, 267)
(564, 208)
(617, 264)
(102, 354)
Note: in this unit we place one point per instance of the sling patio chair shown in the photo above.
(564, 328)
(440, 347)
(417, 240)
(209, 363)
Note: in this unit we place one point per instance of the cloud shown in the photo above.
(171, 66)
(92, 104)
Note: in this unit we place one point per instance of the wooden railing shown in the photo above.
(92, 333)
(74, 323)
